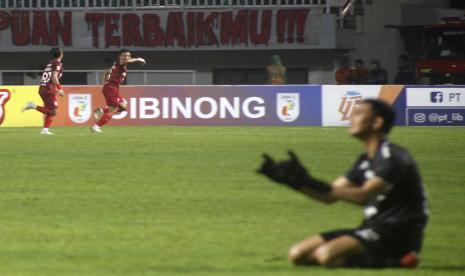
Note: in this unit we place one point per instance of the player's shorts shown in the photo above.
(112, 96)
(383, 241)
(49, 98)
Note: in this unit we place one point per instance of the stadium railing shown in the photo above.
(94, 77)
(325, 5)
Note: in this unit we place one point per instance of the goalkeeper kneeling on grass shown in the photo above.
(384, 180)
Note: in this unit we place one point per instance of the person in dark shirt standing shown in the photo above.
(405, 72)
(384, 180)
(360, 73)
(377, 74)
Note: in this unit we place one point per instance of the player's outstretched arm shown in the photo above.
(371, 189)
(294, 175)
(140, 60)
(328, 197)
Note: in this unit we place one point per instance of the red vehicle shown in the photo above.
(442, 58)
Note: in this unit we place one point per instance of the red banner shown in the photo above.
(240, 29)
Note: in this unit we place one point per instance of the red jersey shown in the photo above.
(46, 81)
(117, 75)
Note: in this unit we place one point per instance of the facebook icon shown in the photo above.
(437, 97)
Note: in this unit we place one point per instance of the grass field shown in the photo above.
(186, 200)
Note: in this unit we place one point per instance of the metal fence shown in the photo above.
(154, 4)
(94, 77)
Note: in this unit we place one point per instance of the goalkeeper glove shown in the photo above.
(291, 173)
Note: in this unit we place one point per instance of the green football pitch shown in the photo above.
(186, 200)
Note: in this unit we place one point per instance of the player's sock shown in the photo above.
(106, 117)
(48, 121)
(43, 109)
(106, 109)
(410, 260)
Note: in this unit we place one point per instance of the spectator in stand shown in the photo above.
(405, 73)
(377, 75)
(276, 71)
(360, 73)
(344, 74)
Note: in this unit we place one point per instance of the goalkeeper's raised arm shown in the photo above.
(293, 174)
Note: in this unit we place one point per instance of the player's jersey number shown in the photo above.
(45, 78)
(4, 97)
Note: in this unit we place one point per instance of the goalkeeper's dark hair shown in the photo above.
(384, 110)
(56, 52)
(124, 51)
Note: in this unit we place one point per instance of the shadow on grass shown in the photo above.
(443, 267)
(435, 268)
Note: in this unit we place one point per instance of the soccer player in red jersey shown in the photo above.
(49, 87)
(112, 79)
